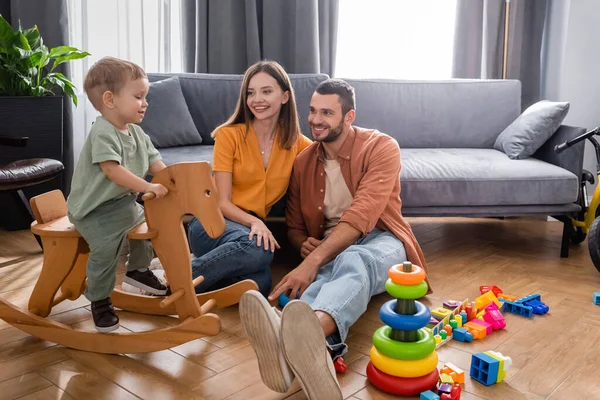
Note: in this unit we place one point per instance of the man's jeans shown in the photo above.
(344, 286)
(228, 259)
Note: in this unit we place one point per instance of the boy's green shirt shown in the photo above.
(90, 186)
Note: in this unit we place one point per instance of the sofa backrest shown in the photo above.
(438, 114)
(211, 98)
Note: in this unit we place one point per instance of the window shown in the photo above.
(395, 39)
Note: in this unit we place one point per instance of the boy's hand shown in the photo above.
(158, 189)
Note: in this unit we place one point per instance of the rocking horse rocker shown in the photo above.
(191, 191)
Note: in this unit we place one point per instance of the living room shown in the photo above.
(484, 100)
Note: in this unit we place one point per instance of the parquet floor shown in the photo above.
(555, 356)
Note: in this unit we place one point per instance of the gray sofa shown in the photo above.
(446, 131)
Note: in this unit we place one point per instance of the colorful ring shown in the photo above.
(404, 322)
(401, 386)
(410, 292)
(404, 368)
(416, 276)
(403, 350)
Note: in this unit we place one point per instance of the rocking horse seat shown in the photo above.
(62, 227)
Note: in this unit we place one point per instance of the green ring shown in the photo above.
(403, 350)
(410, 292)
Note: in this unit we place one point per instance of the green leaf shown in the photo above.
(75, 55)
(33, 37)
(22, 42)
(6, 32)
(61, 50)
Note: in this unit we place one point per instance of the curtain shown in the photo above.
(51, 17)
(479, 42)
(227, 36)
(146, 32)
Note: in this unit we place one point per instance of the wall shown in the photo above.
(572, 63)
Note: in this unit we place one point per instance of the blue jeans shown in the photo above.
(228, 259)
(343, 287)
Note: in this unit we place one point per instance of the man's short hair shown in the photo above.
(109, 74)
(342, 89)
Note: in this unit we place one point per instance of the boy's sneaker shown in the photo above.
(104, 316)
(146, 281)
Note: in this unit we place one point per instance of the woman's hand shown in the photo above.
(263, 235)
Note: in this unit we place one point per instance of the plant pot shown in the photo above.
(41, 120)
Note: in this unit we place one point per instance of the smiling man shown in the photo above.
(344, 217)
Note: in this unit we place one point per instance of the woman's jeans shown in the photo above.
(343, 287)
(228, 259)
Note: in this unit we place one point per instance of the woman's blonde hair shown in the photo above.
(288, 115)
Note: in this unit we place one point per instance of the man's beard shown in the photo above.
(334, 133)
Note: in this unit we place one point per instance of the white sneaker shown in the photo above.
(262, 325)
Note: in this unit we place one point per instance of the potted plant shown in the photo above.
(31, 89)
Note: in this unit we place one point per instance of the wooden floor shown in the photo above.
(554, 356)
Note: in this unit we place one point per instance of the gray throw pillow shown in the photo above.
(168, 121)
(531, 129)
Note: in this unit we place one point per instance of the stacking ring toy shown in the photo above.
(404, 322)
(403, 368)
(397, 275)
(403, 350)
(409, 292)
(401, 386)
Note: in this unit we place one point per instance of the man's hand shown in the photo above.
(308, 246)
(297, 280)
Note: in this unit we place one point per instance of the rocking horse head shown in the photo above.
(191, 191)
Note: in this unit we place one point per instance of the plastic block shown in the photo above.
(440, 312)
(455, 392)
(494, 317)
(462, 335)
(283, 300)
(438, 339)
(537, 306)
(517, 308)
(486, 325)
(478, 331)
(445, 388)
(507, 297)
(505, 363)
(507, 360)
(529, 298)
(429, 395)
(495, 289)
(445, 378)
(463, 314)
(484, 369)
(459, 320)
(454, 324)
(457, 374)
(485, 299)
(443, 334)
(596, 298)
(451, 304)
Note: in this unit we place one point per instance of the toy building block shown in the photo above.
(529, 298)
(507, 297)
(440, 313)
(484, 369)
(494, 316)
(495, 289)
(429, 395)
(462, 335)
(505, 364)
(445, 378)
(538, 307)
(517, 308)
(485, 299)
(457, 374)
(478, 331)
(485, 324)
(445, 388)
(459, 320)
(453, 395)
(432, 322)
(596, 298)
(451, 304)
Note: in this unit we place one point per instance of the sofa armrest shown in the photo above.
(572, 158)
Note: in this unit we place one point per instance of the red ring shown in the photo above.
(401, 386)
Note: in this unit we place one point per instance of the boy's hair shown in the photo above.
(344, 91)
(109, 74)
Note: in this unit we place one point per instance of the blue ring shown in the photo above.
(404, 322)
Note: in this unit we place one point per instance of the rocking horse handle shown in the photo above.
(148, 196)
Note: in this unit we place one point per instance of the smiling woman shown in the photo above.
(404, 39)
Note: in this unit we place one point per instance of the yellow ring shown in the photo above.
(404, 368)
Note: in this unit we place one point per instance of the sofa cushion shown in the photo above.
(168, 121)
(459, 113)
(172, 155)
(531, 129)
(481, 177)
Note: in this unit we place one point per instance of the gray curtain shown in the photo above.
(52, 19)
(479, 42)
(227, 36)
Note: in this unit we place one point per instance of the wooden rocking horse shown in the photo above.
(191, 191)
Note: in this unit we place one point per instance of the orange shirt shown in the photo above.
(254, 188)
(370, 164)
